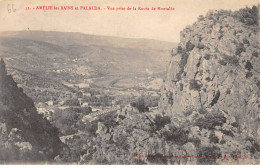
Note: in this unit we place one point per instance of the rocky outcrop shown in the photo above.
(25, 135)
(213, 80)
(135, 140)
(216, 66)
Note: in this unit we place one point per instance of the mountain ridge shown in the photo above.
(122, 42)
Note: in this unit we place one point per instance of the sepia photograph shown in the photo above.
(129, 82)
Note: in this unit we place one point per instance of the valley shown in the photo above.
(100, 73)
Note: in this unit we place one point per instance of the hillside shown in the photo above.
(51, 53)
(25, 135)
(60, 59)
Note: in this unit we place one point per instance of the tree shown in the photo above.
(160, 121)
(72, 102)
(140, 105)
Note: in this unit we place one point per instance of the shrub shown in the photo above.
(207, 56)
(140, 105)
(194, 85)
(213, 138)
(247, 15)
(255, 54)
(210, 120)
(122, 143)
(220, 36)
(258, 84)
(72, 102)
(189, 46)
(138, 161)
(157, 158)
(215, 99)
(248, 66)
(228, 91)
(182, 63)
(222, 141)
(255, 146)
(170, 98)
(235, 154)
(210, 153)
(202, 111)
(249, 74)
(207, 79)
(232, 61)
(201, 17)
(179, 49)
(245, 41)
(109, 120)
(67, 121)
(229, 60)
(235, 124)
(188, 113)
(201, 46)
(195, 141)
(240, 48)
(176, 135)
(222, 62)
(198, 65)
(181, 87)
(227, 132)
(160, 121)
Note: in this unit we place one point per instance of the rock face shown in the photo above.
(25, 135)
(216, 68)
(134, 140)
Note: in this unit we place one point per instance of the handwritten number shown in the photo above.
(13, 8)
(10, 8)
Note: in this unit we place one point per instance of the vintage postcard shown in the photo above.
(129, 82)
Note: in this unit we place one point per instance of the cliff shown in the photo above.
(213, 80)
(25, 135)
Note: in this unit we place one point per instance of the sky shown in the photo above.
(159, 25)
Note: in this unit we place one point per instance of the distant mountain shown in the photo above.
(76, 56)
(25, 135)
(71, 38)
